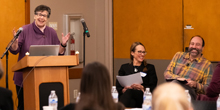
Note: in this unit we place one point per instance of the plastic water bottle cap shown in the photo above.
(52, 91)
(147, 89)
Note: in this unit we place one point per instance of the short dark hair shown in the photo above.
(203, 42)
(43, 8)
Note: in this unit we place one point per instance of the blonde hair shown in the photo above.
(170, 96)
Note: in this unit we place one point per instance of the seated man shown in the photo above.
(6, 102)
(213, 91)
(191, 66)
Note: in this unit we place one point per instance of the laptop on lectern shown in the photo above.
(44, 50)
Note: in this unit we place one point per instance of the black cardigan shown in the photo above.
(150, 80)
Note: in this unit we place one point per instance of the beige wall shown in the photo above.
(96, 14)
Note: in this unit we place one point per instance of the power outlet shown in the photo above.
(75, 93)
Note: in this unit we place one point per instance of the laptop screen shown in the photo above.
(44, 50)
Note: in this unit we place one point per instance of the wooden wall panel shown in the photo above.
(155, 23)
(12, 16)
(204, 17)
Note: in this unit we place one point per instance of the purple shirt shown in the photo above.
(213, 90)
(32, 35)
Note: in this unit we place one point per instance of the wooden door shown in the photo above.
(155, 23)
(12, 16)
(204, 17)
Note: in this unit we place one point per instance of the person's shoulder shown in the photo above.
(120, 106)
(148, 64)
(126, 65)
(70, 106)
(181, 53)
(218, 65)
(27, 26)
(5, 91)
(50, 29)
(205, 61)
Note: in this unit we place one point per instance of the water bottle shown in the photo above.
(147, 100)
(218, 103)
(114, 94)
(188, 96)
(53, 100)
(78, 97)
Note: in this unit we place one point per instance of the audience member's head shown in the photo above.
(95, 89)
(1, 70)
(170, 96)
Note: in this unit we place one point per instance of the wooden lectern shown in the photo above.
(44, 69)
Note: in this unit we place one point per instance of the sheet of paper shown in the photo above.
(130, 79)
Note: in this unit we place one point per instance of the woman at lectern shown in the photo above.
(132, 96)
(36, 33)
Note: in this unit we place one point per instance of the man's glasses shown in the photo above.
(39, 14)
(142, 52)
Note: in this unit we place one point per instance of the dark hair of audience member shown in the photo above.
(1, 70)
(95, 89)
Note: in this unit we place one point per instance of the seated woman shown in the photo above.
(170, 96)
(132, 96)
(213, 90)
(95, 89)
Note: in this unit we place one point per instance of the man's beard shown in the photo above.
(198, 51)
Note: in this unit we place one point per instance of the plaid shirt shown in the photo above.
(199, 70)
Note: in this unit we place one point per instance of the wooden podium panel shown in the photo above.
(44, 69)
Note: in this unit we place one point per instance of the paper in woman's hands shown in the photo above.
(128, 80)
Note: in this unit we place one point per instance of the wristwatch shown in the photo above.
(62, 45)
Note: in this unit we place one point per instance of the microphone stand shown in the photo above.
(84, 34)
(6, 53)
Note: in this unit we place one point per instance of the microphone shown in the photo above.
(85, 27)
(18, 32)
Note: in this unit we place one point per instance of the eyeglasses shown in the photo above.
(142, 52)
(39, 14)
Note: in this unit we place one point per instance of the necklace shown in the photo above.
(136, 68)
